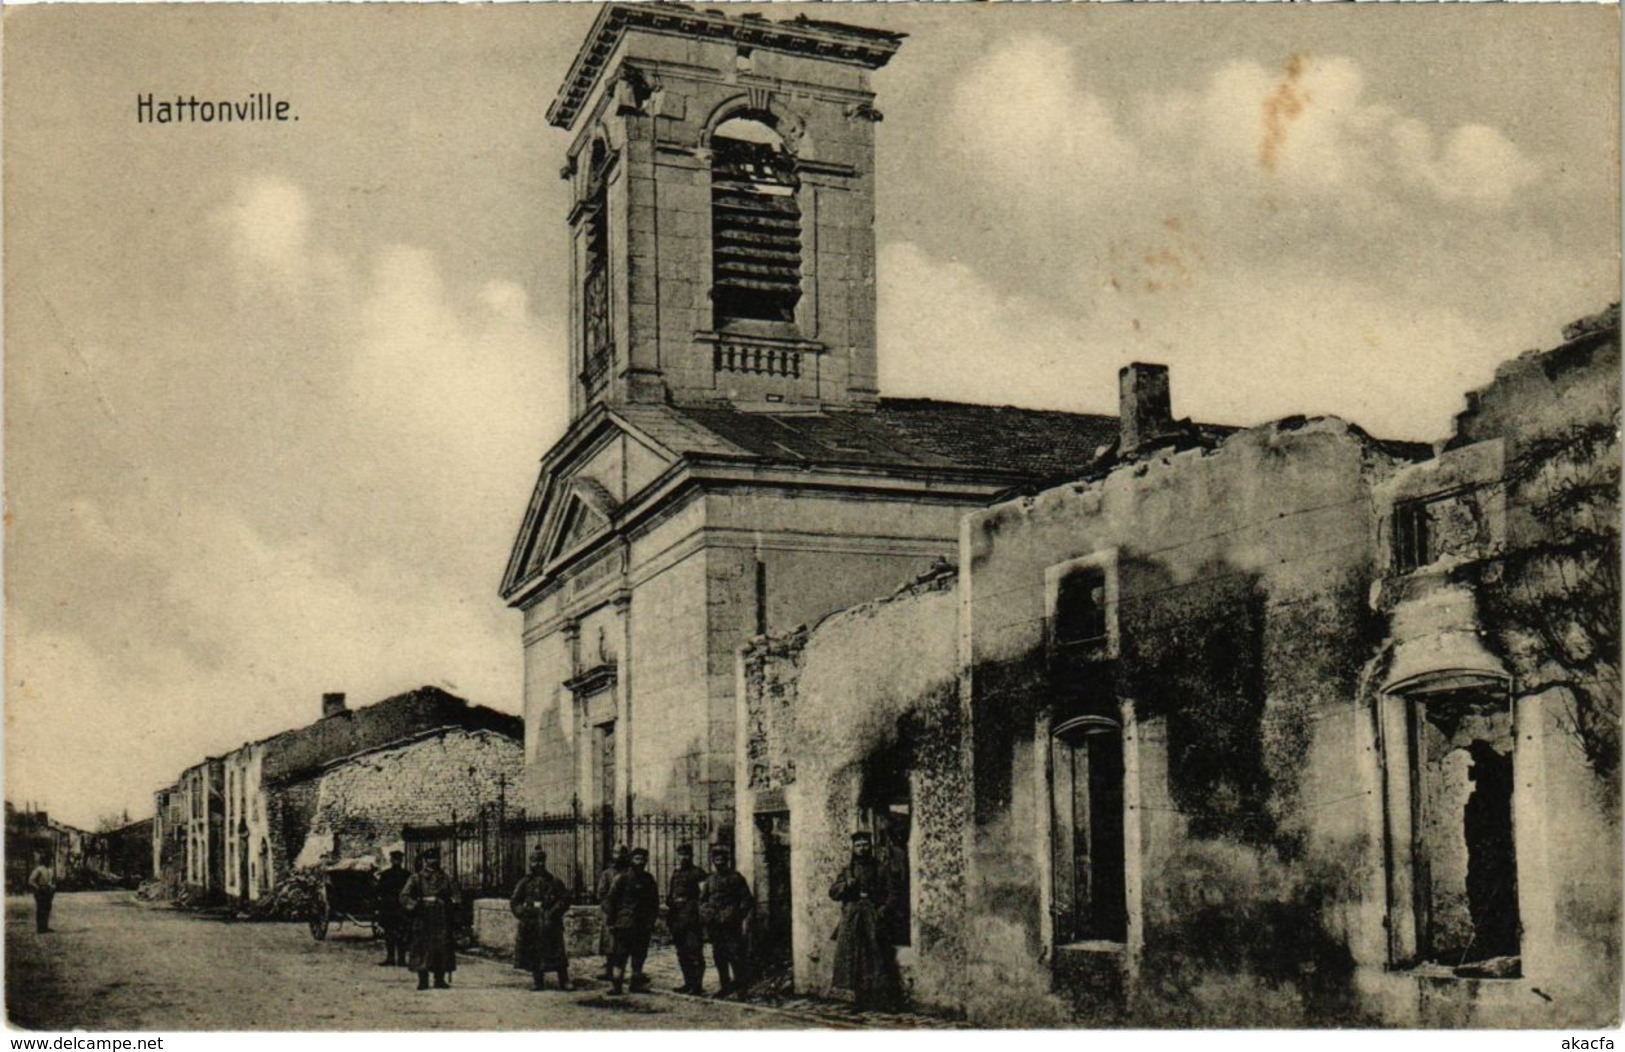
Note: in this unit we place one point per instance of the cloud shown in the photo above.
(316, 490)
(1303, 133)
(267, 224)
(1285, 241)
(1028, 120)
(1334, 347)
(267, 628)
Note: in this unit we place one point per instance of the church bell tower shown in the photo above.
(722, 221)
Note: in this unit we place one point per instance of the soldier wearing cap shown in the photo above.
(540, 902)
(431, 898)
(725, 906)
(394, 924)
(632, 909)
(606, 880)
(683, 920)
(865, 962)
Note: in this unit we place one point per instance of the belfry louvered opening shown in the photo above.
(755, 230)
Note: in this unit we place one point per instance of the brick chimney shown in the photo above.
(1145, 412)
(332, 704)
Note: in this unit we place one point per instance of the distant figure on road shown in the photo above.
(540, 902)
(431, 898)
(725, 906)
(632, 909)
(864, 959)
(683, 920)
(394, 922)
(606, 879)
(42, 882)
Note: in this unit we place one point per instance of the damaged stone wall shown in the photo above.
(821, 708)
(1547, 600)
(1243, 632)
(362, 803)
(771, 668)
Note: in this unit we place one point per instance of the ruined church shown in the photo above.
(1168, 724)
(730, 468)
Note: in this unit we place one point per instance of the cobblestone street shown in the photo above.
(112, 964)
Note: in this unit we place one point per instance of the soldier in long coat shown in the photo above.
(683, 920)
(865, 961)
(540, 902)
(725, 906)
(431, 899)
(606, 880)
(395, 924)
(632, 909)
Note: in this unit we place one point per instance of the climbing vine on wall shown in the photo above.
(1552, 596)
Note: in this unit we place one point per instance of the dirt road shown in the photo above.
(111, 964)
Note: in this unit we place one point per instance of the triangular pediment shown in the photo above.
(580, 522)
(574, 503)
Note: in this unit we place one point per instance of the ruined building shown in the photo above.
(1291, 727)
(730, 468)
(234, 825)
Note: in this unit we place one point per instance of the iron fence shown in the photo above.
(488, 852)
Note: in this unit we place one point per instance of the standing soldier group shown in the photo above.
(418, 912)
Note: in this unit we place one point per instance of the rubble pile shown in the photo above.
(293, 898)
(152, 891)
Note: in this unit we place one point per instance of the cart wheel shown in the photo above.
(318, 925)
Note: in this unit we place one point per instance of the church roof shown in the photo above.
(900, 433)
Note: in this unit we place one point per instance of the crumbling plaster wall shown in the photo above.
(1547, 593)
(1243, 633)
(819, 703)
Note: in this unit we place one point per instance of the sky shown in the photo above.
(275, 393)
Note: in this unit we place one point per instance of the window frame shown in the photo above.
(1069, 739)
(1104, 648)
(784, 322)
(1408, 867)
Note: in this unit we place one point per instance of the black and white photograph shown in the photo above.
(812, 516)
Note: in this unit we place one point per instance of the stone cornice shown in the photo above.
(869, 48)
(932, 485)
(599, 677)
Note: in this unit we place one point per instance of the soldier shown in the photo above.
(42, 882)
(683, 920)
(725, 906)
(394, 923)
(606, 941)
(632, 909)
(540, 902)
(431, 898)
(864, 959)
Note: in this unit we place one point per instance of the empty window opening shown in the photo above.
(1436, 526)
(1080, 608)
(1467, 881)
(755, 225)
(1087, 782)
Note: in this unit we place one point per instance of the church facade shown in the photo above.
(731, 469)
